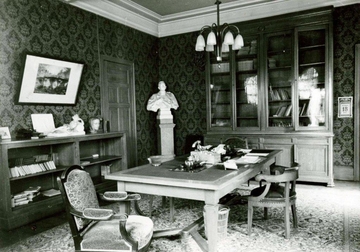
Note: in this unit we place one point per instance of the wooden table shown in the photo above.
(208, 185)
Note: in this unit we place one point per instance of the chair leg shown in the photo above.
(293, 210)
(250, 215)
(287, 223)
(171, 209)
(151, 200)
(266, 216)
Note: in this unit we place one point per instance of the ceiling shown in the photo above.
(170, 17)
(168, 7)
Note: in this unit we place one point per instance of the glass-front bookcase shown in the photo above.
(220, 84)
(247, 85)
(279, 77)
(311, 85)
(234, 88)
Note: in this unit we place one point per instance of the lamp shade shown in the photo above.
(239, 42)
(225, 48)
(199, 48)
(200, 41)
(229, 38)
(209, 48)
(211, 39)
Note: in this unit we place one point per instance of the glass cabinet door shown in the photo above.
(220, 94)
(311, 76)
(279, 76)
(247, 85)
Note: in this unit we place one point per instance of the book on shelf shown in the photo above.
(281, 111)
(288, 110)
(51, 192)
(33, 189)
(303, 109)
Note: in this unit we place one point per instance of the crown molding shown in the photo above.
(135, 16)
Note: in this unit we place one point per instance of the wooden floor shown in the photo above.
(10, 237)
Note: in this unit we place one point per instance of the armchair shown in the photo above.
(274, 194)
(97, 229)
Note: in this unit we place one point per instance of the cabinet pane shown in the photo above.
(220, 96)
(279, 80)
(311, 82)
(247, 87)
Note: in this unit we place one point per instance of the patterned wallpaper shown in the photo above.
(183, 70)
(56, 30)
(346, 35)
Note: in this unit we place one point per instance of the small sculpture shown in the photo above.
(94, 125)
(162, 99)
(75, 127)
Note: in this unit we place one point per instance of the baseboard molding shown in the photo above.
(344, 173)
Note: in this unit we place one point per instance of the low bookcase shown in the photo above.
(27, 164)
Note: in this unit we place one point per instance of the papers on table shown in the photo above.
(256, 152)
(248, 159)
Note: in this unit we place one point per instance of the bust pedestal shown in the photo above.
(166, 134)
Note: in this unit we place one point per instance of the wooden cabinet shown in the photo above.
(277, 90)
(97, 153)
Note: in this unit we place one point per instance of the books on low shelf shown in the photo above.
(25, 197)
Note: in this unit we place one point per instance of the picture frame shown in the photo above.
(5, 133)
(50, 81)
(345, 107)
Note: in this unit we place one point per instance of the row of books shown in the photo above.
(278, 94)
(25, 197)
(23, 170)
(283, 111)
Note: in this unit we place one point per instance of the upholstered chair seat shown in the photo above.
(105, 234)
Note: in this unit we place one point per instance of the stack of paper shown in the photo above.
(248, 159)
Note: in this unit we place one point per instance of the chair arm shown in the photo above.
(114, 196)
(124, 234)
(119, 196)
(263, 194)
(288, 175)
(97, 214)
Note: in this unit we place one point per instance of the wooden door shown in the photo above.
(118, 101)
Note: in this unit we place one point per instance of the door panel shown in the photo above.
(118, 100)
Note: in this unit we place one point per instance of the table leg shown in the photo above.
(211, 222)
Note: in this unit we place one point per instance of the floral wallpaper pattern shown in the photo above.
(346, 36)
(56, 30)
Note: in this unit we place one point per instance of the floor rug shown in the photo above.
(328, 221)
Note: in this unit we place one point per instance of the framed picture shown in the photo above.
(345, 106)
(4, 133)
(50, 81)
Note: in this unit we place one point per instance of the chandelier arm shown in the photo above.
(205, 27)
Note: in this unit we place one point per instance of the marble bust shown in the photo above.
(162, 100)
(94, 125)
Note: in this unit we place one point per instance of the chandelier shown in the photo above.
(219, 37)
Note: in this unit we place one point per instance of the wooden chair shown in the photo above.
(237, 142)
(97, 229)
(279, 191)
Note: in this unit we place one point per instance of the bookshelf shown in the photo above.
(279, 91)
(29, 164)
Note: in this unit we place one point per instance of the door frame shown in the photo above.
(105, 107)
(356, 114)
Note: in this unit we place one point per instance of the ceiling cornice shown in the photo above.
(135, 16)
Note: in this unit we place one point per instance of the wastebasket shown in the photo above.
(223, 216)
